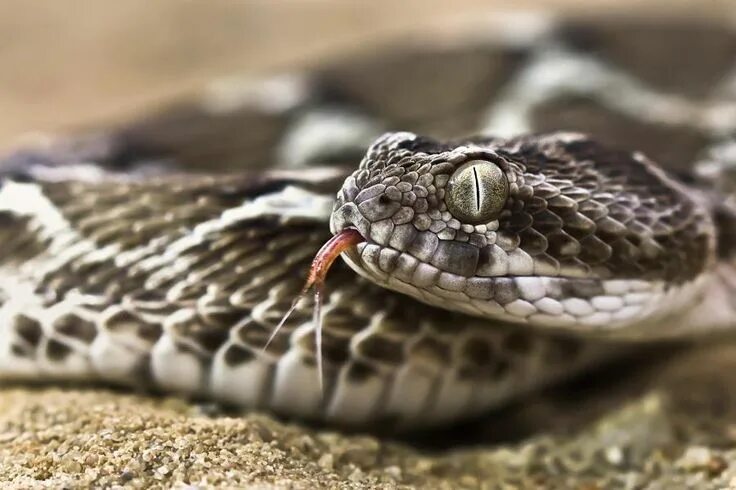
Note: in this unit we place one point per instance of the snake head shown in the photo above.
(551, 231)
(439, 203)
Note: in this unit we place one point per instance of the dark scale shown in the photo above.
(73, 326)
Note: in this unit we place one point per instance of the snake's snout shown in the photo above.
(347, 215)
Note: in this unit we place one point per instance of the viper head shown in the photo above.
(552, 230)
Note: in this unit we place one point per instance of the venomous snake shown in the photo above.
(164, 253)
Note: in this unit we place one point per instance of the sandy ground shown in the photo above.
(680, 435)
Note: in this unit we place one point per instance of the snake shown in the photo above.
(590, 214)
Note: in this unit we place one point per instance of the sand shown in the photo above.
(673, 427)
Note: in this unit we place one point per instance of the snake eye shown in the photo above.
(477, 192)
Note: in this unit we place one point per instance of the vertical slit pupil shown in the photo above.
(477, 189)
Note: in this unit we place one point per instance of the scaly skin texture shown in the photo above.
(130, 257)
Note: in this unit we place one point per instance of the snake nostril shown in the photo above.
(384, 199)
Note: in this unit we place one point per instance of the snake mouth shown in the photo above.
(516, 294)
(564, 303)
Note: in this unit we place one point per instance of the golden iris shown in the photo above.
(477, 192)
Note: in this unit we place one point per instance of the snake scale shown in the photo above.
(594, 215)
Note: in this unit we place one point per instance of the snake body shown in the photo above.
(162, 254)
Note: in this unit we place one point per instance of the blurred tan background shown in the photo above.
(65, 63)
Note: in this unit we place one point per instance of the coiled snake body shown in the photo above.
(163, 254)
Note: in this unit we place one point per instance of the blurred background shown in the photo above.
(79, 62)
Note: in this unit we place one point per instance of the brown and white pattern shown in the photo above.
(163, 254)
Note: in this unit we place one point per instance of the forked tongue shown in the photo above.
(321, 263)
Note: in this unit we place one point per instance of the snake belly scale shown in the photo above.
(163, 253)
